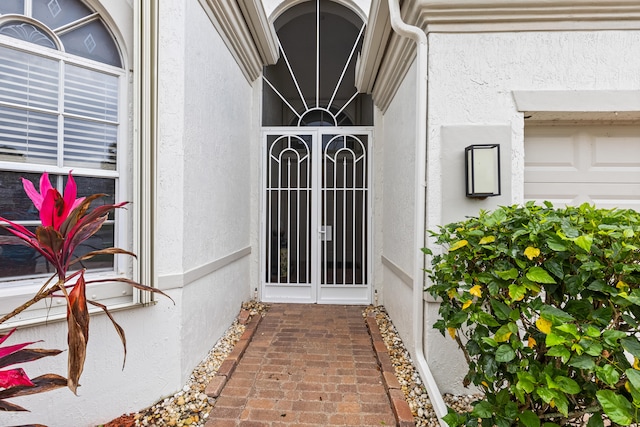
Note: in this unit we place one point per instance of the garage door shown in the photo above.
(571, 164)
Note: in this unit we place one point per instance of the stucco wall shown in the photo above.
(473, 76)
(216, 194)
(396, 133)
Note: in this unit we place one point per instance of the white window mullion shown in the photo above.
(60, 162)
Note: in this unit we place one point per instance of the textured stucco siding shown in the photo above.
(396, 134)
(216, 195)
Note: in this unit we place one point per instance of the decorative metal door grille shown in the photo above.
(316, 204)
(316, 196)
(344, 210)
(288, 203)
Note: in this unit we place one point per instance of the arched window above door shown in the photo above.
(313, 83)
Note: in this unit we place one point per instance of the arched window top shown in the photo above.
(313, 83)
(27, 32)
(79, 29)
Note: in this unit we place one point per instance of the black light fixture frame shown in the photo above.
(468, 169)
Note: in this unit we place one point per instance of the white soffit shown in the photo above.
(386, 57)
(246, 31)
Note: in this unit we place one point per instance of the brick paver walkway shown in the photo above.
(306, 365)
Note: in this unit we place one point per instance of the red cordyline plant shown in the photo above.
(67, 222)
(15, 382)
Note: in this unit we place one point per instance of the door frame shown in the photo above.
(315, 292)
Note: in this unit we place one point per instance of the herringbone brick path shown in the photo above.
(306, 365)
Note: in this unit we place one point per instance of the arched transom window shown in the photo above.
(313, 83)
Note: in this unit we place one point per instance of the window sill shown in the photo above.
(33, 319)
(116, 296)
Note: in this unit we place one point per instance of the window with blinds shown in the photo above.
(60, 98)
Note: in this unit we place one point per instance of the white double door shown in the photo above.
(316, 215)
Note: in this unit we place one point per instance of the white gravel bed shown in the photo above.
(191, 406)
(408, 377)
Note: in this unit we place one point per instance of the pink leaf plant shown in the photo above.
(67, 222)
(15, 382)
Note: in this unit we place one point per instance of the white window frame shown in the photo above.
(14, 293)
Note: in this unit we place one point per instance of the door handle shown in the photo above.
(325, 233)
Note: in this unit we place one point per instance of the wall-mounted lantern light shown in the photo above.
(482, 164)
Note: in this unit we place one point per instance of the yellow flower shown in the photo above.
(531, 252)
(531, 342)
(627, 386)
(636, 366)
(452, 293)
(544, 325)
(621, 285)
(484, 383)
(476, 291)
(467, 304)
(452, 332)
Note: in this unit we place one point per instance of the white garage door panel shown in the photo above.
(572, 164)
(603, 195)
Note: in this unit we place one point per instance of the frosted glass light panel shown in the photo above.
(482, 164)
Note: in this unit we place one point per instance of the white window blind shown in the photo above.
(29, 112)
(28, 80)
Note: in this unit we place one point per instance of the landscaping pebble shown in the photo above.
(191, 405)
(408, 376)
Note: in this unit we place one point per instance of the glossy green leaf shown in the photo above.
(585, 242)
(500, 309)
(560, 351)
(482, 410)
(545, 394)
(517, 292)
(582, 362)
(632, 345)
(617, 407)
(539, 275)
(489, 341)
(569, 328)
(562, 404)
(505, 353)
(634, 377)
(608, 374)
(529, 419)
(526, 385)
(554, 339)
(567, 385)
(592, 331)
(485, 319)
(595, 420)
(555, 314)
(508, 274)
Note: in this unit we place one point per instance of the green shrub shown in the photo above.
(545, 304)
